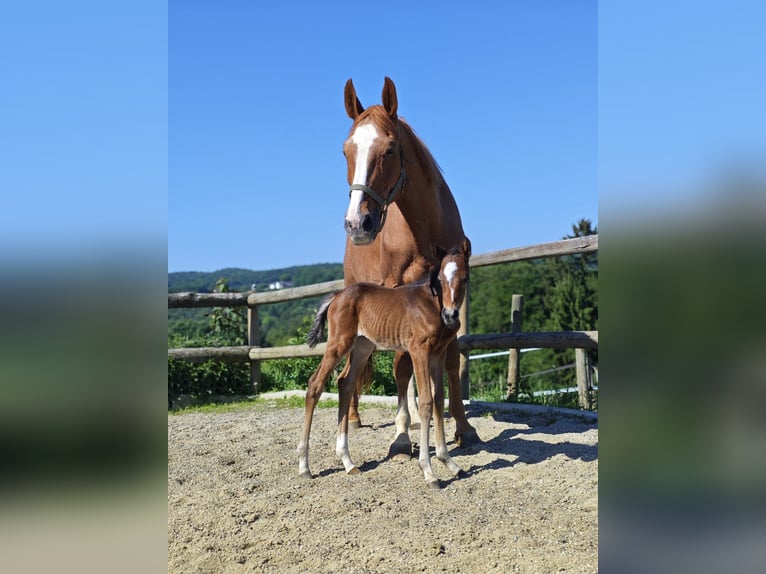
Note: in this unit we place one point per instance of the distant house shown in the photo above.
(280, 285)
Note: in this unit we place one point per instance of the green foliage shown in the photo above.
(205, 381)
(290, 374)
(239, 279)
(227, 325)
(560, 294)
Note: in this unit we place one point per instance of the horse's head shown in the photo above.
(453, 282)
(375, 163)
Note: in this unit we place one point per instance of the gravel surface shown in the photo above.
(528, 502)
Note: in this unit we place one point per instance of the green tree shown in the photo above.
(228, 325)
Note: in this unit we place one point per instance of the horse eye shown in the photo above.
(390, 151)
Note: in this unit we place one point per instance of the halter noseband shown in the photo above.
(383, 203)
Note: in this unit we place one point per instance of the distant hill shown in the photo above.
(239, 279)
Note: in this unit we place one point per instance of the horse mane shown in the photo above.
(422, 154)
(379, 116)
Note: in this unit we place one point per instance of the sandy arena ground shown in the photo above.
(528, 502)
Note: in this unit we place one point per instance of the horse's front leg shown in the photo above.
(423, 378)
(360, 353)
(465, 434)
(437, 376)
(401, 447)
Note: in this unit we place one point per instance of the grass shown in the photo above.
(262, 403)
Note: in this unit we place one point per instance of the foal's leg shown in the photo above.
(465, 434)
(334, 353)
(401, 447)
(363, 380)
(412, 404)
(437, 375)
(423, 379)
(360, 352)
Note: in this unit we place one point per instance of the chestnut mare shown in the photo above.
(420, 318)
(401, 214)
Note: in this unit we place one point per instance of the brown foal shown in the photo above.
(421, 319)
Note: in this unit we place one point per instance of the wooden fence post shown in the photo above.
(464, 370)
(517, 309)
(584, 379)
(252, 340)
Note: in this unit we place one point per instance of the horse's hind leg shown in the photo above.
(465, 434)
(361, 351)
(314, 390)
(401, 446)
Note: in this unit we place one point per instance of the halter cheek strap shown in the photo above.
(383, 203)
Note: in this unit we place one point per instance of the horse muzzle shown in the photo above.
(451, 318)
(365, 231)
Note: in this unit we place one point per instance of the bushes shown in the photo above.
(205, 381)
(211, 380)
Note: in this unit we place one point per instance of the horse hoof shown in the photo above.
(467, 438)
(354, 470)
(400, 448)
(354, 425)
(434, 484)
(305, 474)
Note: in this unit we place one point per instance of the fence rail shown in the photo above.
(578, 340)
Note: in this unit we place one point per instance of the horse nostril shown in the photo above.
(450, 316)
(367, 223)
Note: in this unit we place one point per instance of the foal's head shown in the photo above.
(375, 163)
(452, 283)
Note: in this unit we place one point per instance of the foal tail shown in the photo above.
(315, 334)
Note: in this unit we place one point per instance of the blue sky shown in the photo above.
(83, 129)
(212, 131)
(504, 96)
(681, 103)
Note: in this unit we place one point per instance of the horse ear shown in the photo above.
(353, 105)
(466, 247)
(390, 103)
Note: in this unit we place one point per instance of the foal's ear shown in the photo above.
(353, 105)
(466, 247)
(390, 103)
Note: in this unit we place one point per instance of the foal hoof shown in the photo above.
(354, 470)
(434, 484)
(467, 438)
(306, 474)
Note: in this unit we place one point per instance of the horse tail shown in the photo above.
(315, 334)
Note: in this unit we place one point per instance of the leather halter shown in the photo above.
(384, 203)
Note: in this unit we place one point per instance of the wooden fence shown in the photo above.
(514, 340)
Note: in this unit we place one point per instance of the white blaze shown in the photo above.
(449, 274)
(363, 137)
